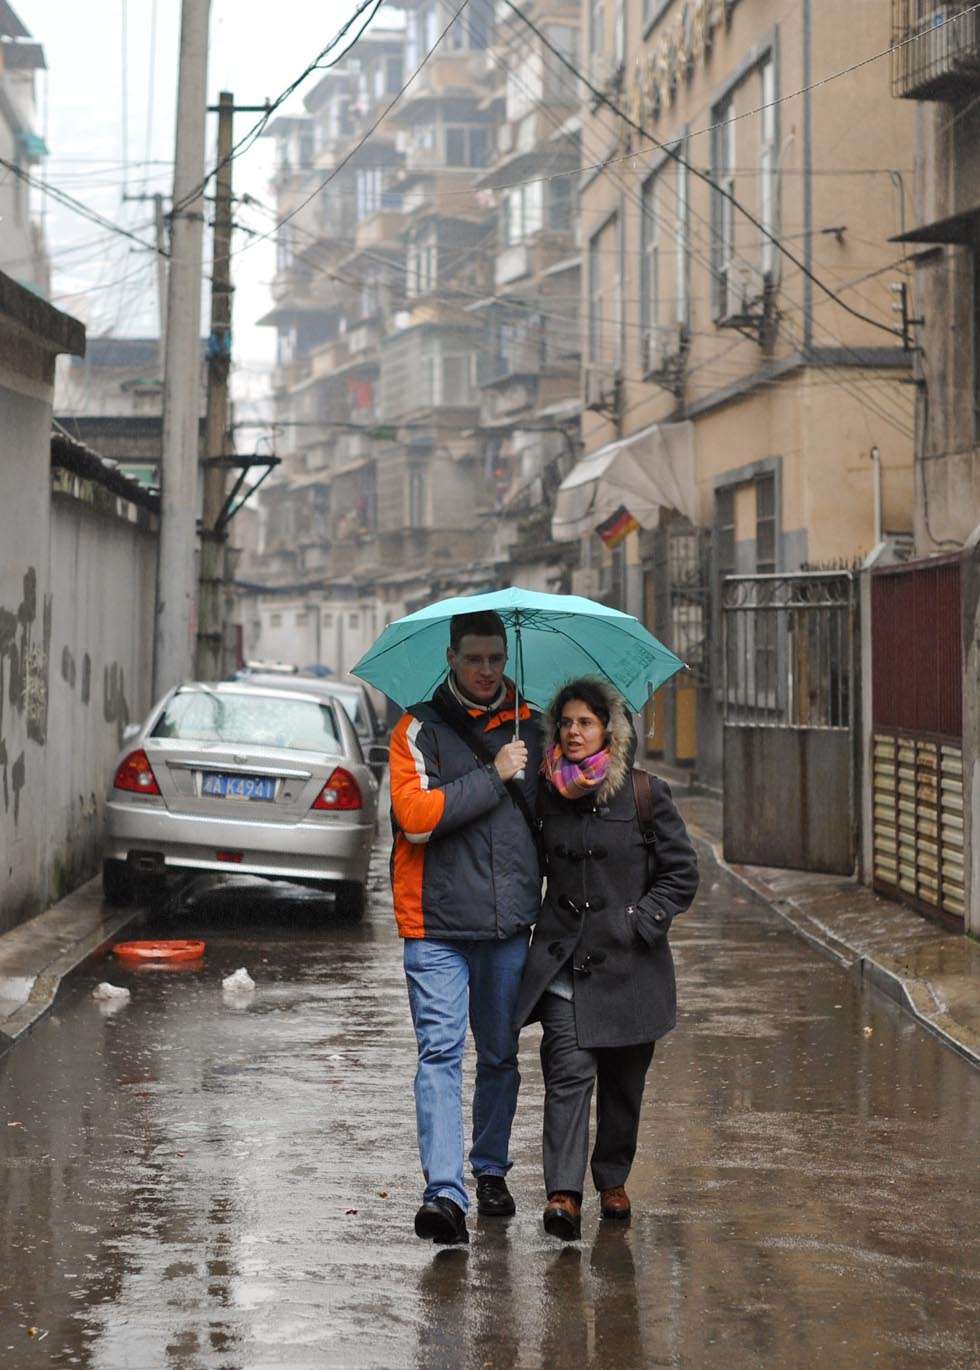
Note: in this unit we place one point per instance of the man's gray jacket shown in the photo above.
(464, 863)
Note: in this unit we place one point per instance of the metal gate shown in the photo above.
(917, 720)
(790, 702)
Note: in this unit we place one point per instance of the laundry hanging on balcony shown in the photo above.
(646, 472)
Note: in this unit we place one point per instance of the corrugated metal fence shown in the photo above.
(917, 716)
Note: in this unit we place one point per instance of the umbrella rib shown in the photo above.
(561, 633)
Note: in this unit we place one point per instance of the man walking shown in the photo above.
(467, 887)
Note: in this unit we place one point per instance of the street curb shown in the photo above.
(48, 981)
(860, 966)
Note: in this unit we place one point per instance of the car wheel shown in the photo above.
(349, 899)
(118, 887)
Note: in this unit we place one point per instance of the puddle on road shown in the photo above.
(205, 1187)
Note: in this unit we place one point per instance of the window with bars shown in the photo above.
(467, 145)
(369, 188)
(522, 212)
(725, 530)
(619, 33)
(767, 162)
(724, 175)
(417, 497)
(765, 524)
(605, 297)
(663, 265)
(421, 265)
(651, 196)
(745, 145)
(597, 25)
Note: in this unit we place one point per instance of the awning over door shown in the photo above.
(648, 471)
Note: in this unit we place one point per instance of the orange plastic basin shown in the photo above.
(180, 949)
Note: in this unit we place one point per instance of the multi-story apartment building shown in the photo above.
(528, 372)
(733, 399)
(383, 487)
(22, 250)
(938, 67)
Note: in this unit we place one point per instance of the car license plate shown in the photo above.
(218, 785)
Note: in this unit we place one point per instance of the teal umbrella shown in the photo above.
(550, 639)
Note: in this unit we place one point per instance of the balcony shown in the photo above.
(364, 339)
(329, 357)
(515, 359)
(380, 230)
(291, 284)
(288, 374)
(530, 258)
(939, 56)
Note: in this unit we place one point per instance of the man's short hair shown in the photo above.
(483, 624)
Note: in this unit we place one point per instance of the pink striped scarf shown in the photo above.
(573, 779)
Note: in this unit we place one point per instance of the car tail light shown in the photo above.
(136, 774)
(340, 792)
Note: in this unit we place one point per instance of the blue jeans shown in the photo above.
(448, 981)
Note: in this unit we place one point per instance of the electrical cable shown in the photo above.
(255, 131)
(568, 319)
(353, 151)
(725, 194)
(78, 207)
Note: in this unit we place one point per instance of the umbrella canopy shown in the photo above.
(551, 639)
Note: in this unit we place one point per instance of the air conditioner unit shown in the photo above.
(600, 388)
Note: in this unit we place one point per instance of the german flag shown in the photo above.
(617, 526)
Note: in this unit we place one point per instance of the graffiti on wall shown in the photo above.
(23, 682)
(25, 655)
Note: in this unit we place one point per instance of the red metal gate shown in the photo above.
(917, 716)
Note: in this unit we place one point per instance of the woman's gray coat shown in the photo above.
(610, 901)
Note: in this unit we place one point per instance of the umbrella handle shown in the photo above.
(521, 774)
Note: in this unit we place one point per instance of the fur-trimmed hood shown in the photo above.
(622, 737)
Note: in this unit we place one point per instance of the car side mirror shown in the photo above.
(131, 731)
(378, 756)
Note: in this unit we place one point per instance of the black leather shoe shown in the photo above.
(493, 1198)
(442, 1221)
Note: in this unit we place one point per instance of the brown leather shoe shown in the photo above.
(563, 1217)
(615, 1203)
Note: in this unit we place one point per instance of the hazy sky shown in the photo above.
(95, 121)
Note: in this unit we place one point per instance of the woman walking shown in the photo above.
(600, 977)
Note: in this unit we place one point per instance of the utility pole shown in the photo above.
(159, 224)
(176, 616)
(211, 581)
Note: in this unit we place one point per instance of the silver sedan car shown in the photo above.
(239, 778)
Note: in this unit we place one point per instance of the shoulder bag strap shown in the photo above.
(643, 798)
(482, 752)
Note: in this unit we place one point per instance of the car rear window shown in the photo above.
(354, 711)
(267, 720)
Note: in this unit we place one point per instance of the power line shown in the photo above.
(69, 202)
(671, 152)
(124, 36)
(151, 83)
(353, 151)
(255, 131)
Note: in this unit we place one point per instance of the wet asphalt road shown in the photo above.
(193, 1183)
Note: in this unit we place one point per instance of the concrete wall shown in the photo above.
(76, 624)
(102, 573)
(76, 616)
(25, 629)
(947, 183)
